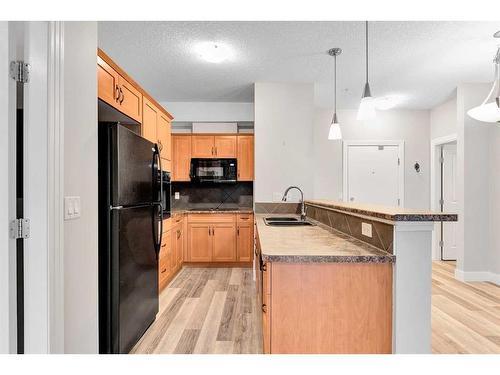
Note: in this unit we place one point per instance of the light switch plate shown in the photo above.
(72, 208)
(177, 195)
(366, 229)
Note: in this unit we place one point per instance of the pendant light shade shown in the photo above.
(489, 110)
(335, 133)
(367, 106)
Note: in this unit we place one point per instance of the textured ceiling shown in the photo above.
(422, 62)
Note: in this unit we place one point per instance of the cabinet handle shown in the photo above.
(216, 151)
(178, 234)
(164, 245)
(209, 231)
(264, 308)
(163, 270)
(238, 230)
(117, 93)
(263, 268)
(123, 96)
(213, 231)
(212, 150)
(160, 145)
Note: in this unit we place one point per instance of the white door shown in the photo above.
(373, 173)
(450, 202)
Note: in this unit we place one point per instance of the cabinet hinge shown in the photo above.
(20, 71)
(20, 228)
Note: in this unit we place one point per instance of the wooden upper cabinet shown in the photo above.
(163, 133)
(149, 121)
(245, 157)
(107, 82)
(181, 155)
(224, 242)
(225, 146)
(202, 146)
(130, 100)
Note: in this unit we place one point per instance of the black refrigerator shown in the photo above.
(130, 229)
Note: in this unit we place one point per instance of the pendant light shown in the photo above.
(335, 133)
(489, 110)
(367, 106)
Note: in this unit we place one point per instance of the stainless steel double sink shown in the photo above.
(285, 221)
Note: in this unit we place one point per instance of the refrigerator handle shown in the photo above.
(158, 239)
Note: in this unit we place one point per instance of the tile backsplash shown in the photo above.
(382, 233)
(203, 196)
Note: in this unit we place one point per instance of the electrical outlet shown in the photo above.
(177, 195)
(366, 229)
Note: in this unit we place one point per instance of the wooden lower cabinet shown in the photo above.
(219, 238)
(177, 245)
(329, 308)
(165, 260)
(224, 242)
(199, 242)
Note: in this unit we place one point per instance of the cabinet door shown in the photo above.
(181, 147)
(245, 157)
(165, 259)
(149, 121)
(245, 242)
(202, 146)
(179, 249)
(107, 83)
(225, 146)
(163, 134)
(224, 246)
(199, 243)
(131, 100)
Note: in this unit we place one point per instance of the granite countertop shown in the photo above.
(384, 212)
(314, 244)
(212, 211)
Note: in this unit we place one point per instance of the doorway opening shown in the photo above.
(444, 196)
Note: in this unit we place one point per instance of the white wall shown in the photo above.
(284, 116)
(479, 183)
(210, 111)
(80, 179)
(412, 126)
(4, 190)
(444, 119)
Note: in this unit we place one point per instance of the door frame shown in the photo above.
(401, 154)
(436, 143)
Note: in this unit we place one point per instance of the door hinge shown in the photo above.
(20, 229)
(399, 161)
(441, 243)
(441, 202)
(441, 160)
(399, 202)
(20, 71)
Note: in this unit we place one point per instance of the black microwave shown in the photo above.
(213, 170)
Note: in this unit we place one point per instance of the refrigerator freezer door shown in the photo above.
(134, 169)
(137, 287)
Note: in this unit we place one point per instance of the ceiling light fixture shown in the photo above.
(213, 52)
(366, 107)
(489, 111)
(335, 133)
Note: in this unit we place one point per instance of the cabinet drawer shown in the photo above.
(211, 218)
(245, 218)
(177, 218)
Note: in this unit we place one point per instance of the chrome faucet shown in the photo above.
(302, 205)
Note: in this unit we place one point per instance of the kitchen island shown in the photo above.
(359, 281)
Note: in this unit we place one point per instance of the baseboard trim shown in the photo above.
(477, 276)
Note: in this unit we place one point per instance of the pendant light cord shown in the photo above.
(335, 84)
(366, 44)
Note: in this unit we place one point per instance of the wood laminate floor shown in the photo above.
(465, 316)
(206, 310)
(213, 310)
